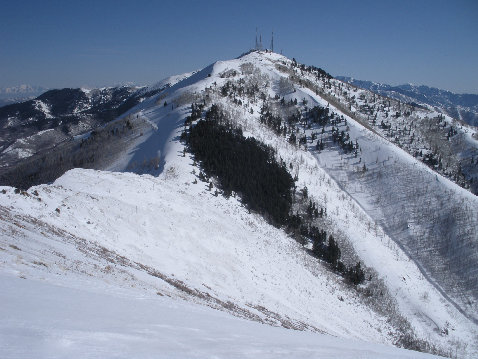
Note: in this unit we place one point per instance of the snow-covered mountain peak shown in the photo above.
(145, 221)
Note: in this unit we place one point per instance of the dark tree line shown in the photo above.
(317, 71)
(319, 115)
(343, 139)
(196, 111)
(272, 121)
(242, 165)
(249, 168)
(328, 251)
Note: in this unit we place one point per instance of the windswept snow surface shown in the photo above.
(140, 242)
(171, 230)
(170, 81)
(41, 320)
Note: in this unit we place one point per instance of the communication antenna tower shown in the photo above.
(272, 42)
(257, 44)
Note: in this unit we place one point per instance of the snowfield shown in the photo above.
(41, 320)
(132, 262)
(217, 250)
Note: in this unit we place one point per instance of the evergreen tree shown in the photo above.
(225, 153)
(333, 251)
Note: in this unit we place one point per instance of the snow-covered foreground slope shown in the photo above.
(41, 320)
(166, 236)
(169, 236)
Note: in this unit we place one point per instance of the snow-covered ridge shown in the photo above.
(462, 107)
(171, 81)
(166, 236)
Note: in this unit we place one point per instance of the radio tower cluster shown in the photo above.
(259, 46)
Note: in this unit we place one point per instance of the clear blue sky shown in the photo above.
(96, 43)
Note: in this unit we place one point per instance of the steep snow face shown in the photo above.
(112, 231)
(432, 219)
(172, 233)
(170, 81)
(59, 322)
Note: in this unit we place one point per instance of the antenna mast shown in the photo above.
(272, 42)
(257, 44)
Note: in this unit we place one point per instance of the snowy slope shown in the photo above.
(109, 232)
(432, 219)
(460, 106)
(183, 232)
(120, 232)
(447, 145)
(59, 322)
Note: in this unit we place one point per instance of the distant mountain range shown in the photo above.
(460, 106)
(9, 95)
(35, 124)
(21, 90)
